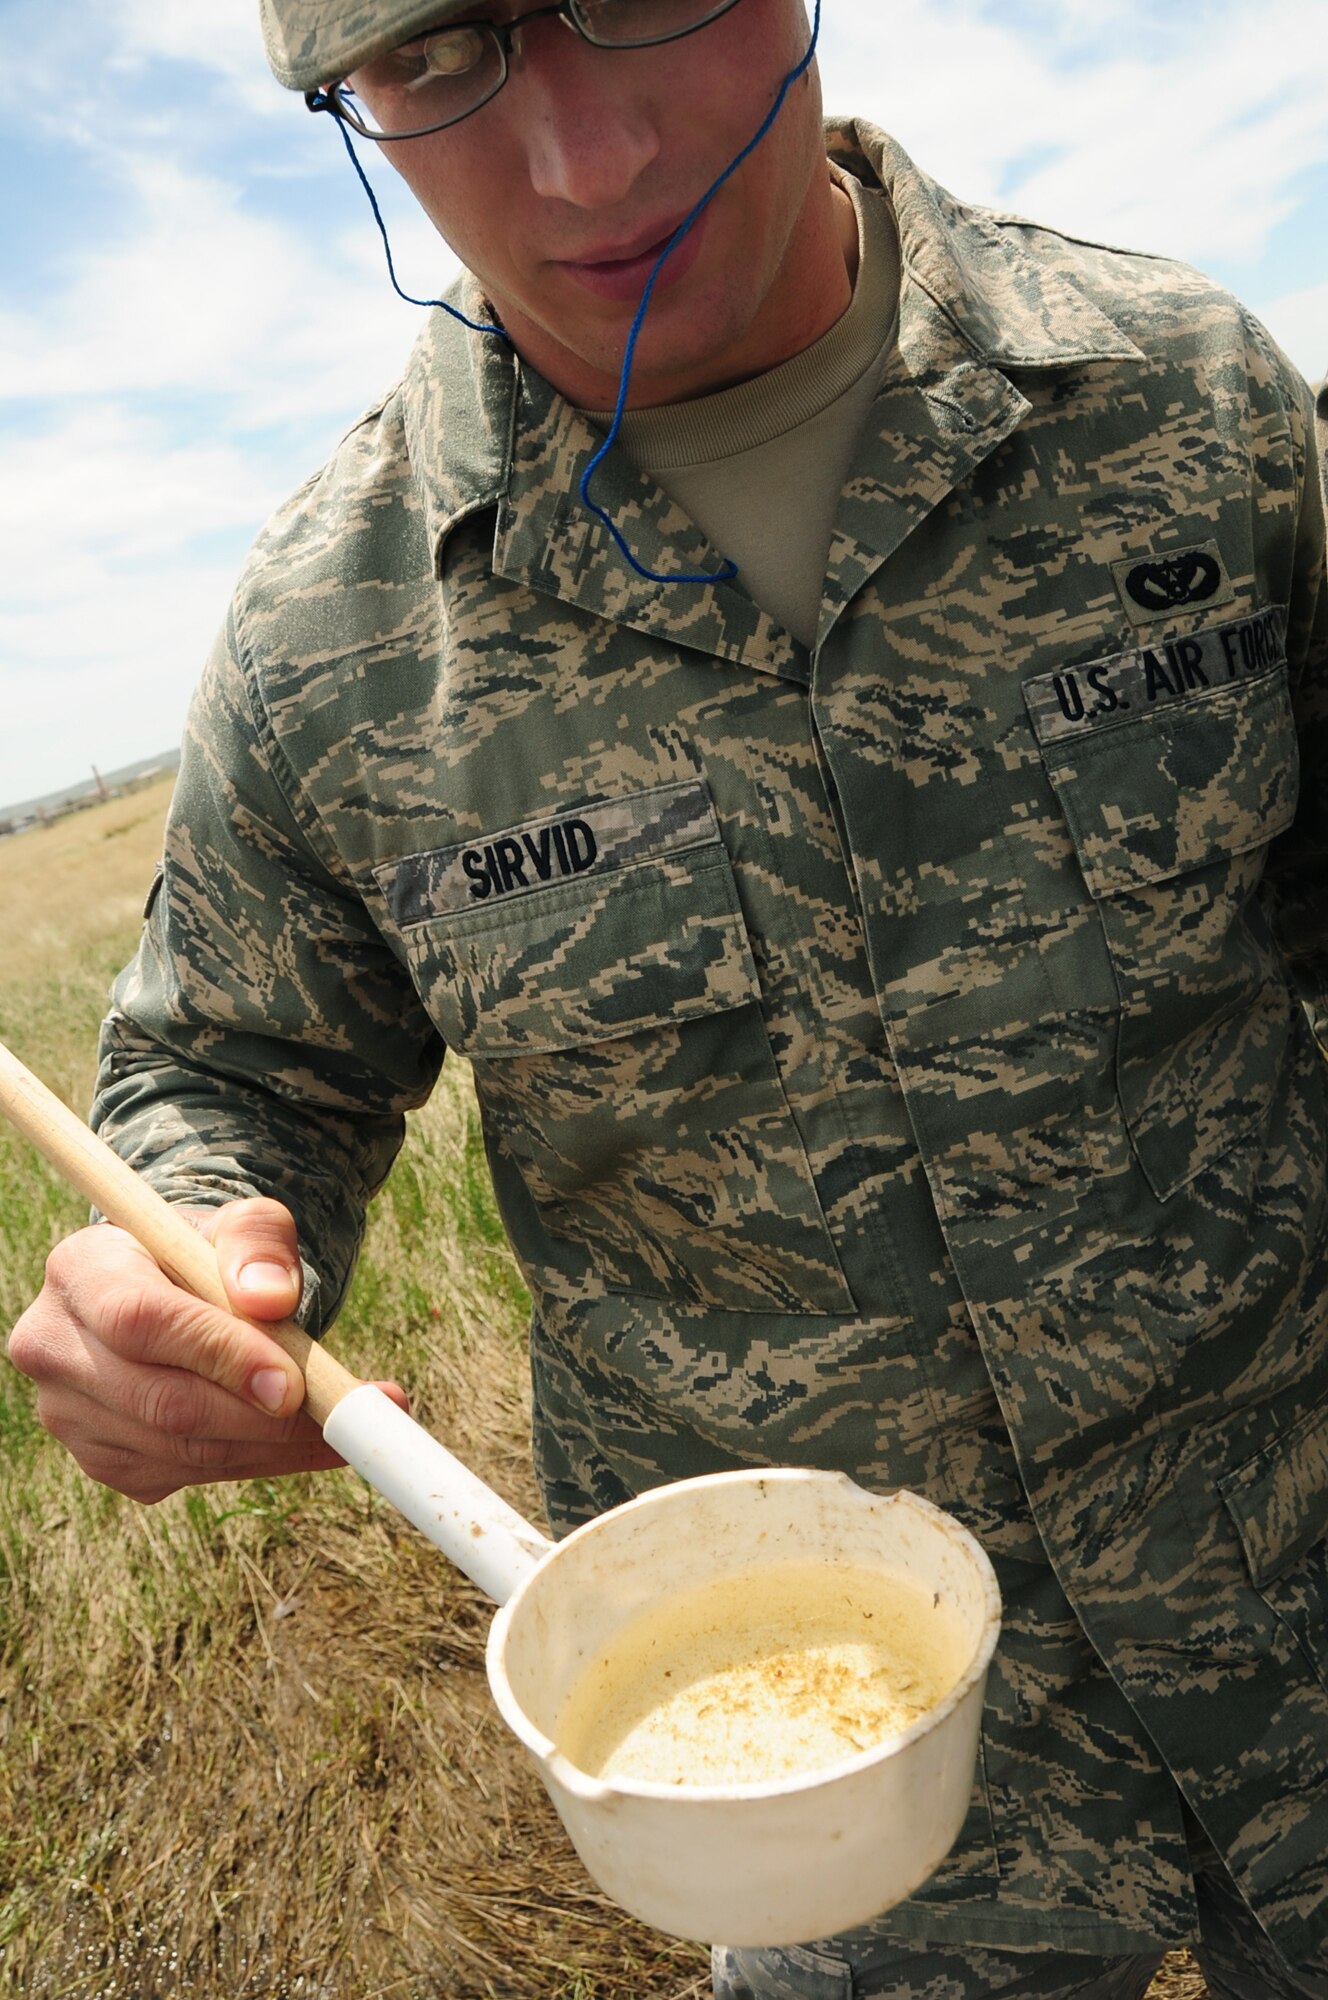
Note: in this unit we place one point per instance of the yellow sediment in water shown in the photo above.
(763, 1675)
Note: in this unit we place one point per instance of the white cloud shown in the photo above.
(174, 376)
(101, 672)
(201, 294)
(107, 487)
(183, 370)
(109, 606)
(107, 707)
(1298, 322)
(1181, 129)
(224, 36)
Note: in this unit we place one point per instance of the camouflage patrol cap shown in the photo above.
(310, 42)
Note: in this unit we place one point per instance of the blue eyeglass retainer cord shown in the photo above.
(729, 569)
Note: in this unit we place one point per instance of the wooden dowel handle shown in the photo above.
(99, 1174)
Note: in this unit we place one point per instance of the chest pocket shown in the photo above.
(1278, 1501)
(1172, 788)
(613, 1022)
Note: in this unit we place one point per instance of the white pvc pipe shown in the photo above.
(462, 1516)
(483, 1535)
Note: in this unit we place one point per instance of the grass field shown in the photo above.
(246, 1745)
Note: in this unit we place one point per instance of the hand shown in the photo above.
(150, 1388)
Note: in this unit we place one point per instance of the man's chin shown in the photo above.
(688, 345)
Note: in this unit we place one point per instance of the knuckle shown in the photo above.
(54, 1417)
(66, 1258)
(112, 1464)
(218, 1352)
(128, 1316)
(258, 1218)
(69, 1262)
(39, 1341)
(26, 1346)
(263, 1209)
(203, 1454)
(170, 1404)
(126, 1471)
(153, 1324)
(60, 1261)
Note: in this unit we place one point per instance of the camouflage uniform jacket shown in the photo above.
(891, 1055)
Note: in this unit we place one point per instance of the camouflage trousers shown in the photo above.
(1234, 1954)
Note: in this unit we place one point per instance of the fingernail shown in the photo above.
(267, 1386)
(265, 1277)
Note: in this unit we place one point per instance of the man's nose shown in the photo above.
(587, 134)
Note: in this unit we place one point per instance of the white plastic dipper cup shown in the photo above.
(762, 1864)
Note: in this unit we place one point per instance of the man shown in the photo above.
(882, 970)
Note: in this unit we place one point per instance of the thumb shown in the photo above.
(259, 1261)
(258, 1257)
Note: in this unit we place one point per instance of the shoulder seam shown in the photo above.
(1007, 219)
(282, 770)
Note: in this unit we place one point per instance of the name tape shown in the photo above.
(1108, 692)
(585, 841)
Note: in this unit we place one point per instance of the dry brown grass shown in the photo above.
(247, 1750)
(1179, 1979)
(246, 1743)
(74, 889)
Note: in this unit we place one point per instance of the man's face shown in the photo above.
(560, 192)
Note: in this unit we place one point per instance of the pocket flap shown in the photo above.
(1279, 1498)
(1183, 756)
(591, 961)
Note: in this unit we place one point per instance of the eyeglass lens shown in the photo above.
(437, 78)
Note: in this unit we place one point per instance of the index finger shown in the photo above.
(146, 1319)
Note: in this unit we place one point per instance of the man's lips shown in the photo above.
(647, 242)
(622, 271)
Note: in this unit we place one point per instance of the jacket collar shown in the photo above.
(1007, 305)
(484, 432)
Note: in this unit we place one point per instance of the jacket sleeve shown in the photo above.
(263, 1040)
(1297, 879)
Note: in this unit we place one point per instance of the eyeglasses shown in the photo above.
(440, 77)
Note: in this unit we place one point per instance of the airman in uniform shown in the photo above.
(874, 864)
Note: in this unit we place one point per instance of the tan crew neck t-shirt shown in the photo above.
(760, 467)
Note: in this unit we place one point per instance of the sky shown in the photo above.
(194, 307)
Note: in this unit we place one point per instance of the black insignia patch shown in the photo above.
(1189, 579)
(1165, 585)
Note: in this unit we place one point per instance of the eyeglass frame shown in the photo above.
(333, 97)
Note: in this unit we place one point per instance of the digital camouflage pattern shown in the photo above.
(310, 42)
(1233, 1954)
(865, 1971)
(913, 1079)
